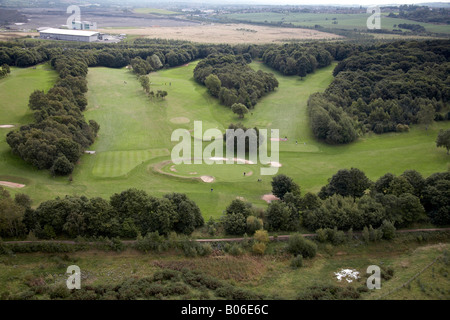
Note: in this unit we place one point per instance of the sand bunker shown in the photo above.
(238, 160)
(192, 172)
(275, 164)
(89, 152)
(11, 184)
(172, 168)
(278, 139)
(248, 174)
(207, 179)
(180, 120)
(7, 126)
(269, 198)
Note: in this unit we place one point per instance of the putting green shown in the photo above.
(119, 163)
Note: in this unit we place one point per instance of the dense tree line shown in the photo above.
(422, 14)
(296, 59)
(383, 89)
(60, 133)
(230, 78)
(127, 214)
(350, 201)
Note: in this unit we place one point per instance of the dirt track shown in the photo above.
(272, 238)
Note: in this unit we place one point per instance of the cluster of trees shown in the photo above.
(60, 133)
(422, 14)
(4, 70)
(144, 80)
(127, 214)
(350, 201)
(296, 59)
(412, 27)
(230, 78)
(384, 88)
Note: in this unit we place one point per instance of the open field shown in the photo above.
(226, 33)
(269, 275)
(135, 136)
(332, 20)
(155, 11)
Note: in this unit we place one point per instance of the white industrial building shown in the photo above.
(69, 35)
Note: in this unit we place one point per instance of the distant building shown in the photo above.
(83, 25)
(69, 35)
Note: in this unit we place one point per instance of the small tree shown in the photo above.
(62, 166)
(282, 184)
(261, 236)
(213, 83)
(443, 139)
(298, 245)
(239, 109)
(426, 115)
(388, 230)
(145, 83)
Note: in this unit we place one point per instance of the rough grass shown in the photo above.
(270, 275)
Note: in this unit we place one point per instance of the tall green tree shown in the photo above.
(443, 139)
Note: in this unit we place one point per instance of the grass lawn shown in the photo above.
(135, 135)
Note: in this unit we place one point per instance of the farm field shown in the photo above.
(135, 134)
(264, 275)
(226, 33)
(344, 21)
(155, 11)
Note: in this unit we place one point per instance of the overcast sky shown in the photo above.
(339, 2)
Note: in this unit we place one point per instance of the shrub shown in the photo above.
(261, 236)
(259, 248)
(388, 230)
(297, 244)
(253, 224)
(297, 262)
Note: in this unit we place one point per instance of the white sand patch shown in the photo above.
(180, 120)
(269, 198)
(278, 139)
(89, 152)
(207, 179)
(275, 164)
(7, 126)
(347, 274)
(11, 184)
(172, 168)
(192, 172)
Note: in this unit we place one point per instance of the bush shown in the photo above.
(298, 245)
(388, 230)
(261, 236)
(259, 248)
(297, 262)
(235, 249)
(253, 224)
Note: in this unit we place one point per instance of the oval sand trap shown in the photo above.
(180, 120)
(275, 164)
(11, 184)
(207, 179)
(269, 198)
(7, 126)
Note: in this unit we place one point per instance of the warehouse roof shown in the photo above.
(69, 32)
